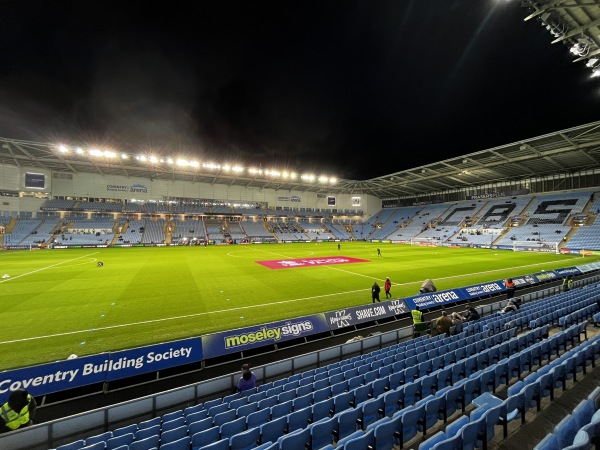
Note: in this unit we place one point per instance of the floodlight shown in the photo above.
(63, 148)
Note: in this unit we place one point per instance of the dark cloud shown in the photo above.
(355, 89)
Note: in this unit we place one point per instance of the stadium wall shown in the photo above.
(144, 189)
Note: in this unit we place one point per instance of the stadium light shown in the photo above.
(209, 166)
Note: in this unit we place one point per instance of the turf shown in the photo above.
(59, 302)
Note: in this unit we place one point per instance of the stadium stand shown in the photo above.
(489, 381)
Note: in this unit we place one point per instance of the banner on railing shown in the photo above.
(241, 339)
(351, 316)
(71, 373)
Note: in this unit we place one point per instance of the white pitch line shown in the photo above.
(187, 316)
(164, 319)
(47, 267)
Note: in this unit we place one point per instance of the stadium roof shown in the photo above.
(563, 152)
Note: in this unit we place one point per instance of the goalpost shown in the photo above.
(424, 241)
(536, 246)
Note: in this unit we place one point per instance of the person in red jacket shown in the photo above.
(387, 286)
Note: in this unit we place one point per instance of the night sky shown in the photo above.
(353, 89)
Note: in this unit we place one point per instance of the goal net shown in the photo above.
(427, 242)
(536, 246)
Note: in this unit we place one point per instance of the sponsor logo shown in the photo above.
(266, 334)
(138, 188)
(341, 319)
(308, 262)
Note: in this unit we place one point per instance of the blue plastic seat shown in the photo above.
(245, 440)
(202, 438)
(451, 401)
(343, 401)
(172, 424)
(430, 443)
(364, 442)
(566, 430)
(322, 409)
(119, 441)
(433, 406)
(143, 433)
(322, 432)
(348, 422)
(299, 419)
(265, 403)
(101, 445)
(581, 441)
(361, 394)
(410, 393)
(102, 437)
(222, 444)
(173, 434)
(583, 412)
(512, 408)
(470, 431)
(232, 427)
(181, 444)
(428, 385)
(193, 409)
(410, 423)
(146, 443)
(200, 425)
(372, 410)
(257, 418)
(124, 430)
(172, 415)
(75, 445)
(392, 401)
(196, 415)
(235, 404)
(273, 429)
(472, 389)
(217, 409)
(281, 409)
(297, 440)
(548, 442)
(386, 433)
(224, 417)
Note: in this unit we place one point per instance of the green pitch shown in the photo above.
(59, 302)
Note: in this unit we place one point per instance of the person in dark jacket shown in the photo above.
(18, 411)
(247, 380)
(471, 314)
(375, 290)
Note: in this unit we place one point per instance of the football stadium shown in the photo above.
(136, 285)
